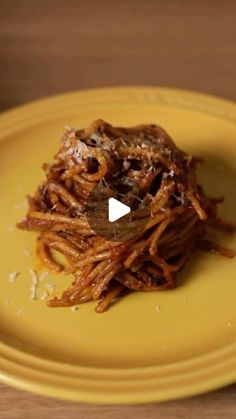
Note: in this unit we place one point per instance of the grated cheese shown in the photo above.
(34, 284)
(69, 128)
(79, 150)
(43, 275)
(188, 158)
(20, 312)
(75, 308)
(168, 152)
(26, 252)
(171, 174)
(51, 287)
(44, 296)
(126, 164)
(12, 276)
(163, 210)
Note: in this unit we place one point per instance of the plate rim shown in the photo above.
(148, 389)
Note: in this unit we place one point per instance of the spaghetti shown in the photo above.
(182, 217)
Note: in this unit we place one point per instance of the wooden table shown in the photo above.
(53, 46)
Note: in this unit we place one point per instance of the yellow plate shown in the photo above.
(133, 352)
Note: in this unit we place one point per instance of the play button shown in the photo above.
(116, 210)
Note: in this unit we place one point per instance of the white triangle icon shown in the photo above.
(116, 209)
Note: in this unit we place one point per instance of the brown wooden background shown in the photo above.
(52, 46)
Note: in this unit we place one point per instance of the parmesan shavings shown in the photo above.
(104, 143)
(168, 152)
(20, 312)
(51, 287)
(53, 207)
(68, 127)
(26, 252)
(75, 308)
(78, 150)
(43, 275)
(34, 284)
(170, 174)
(44, 296)
(12, 276)
(163, 209)
(188, 158)
(126, 165)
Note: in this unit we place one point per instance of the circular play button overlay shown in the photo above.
(118, 211)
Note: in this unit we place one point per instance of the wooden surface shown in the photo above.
(52, 46)
(215, 405)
